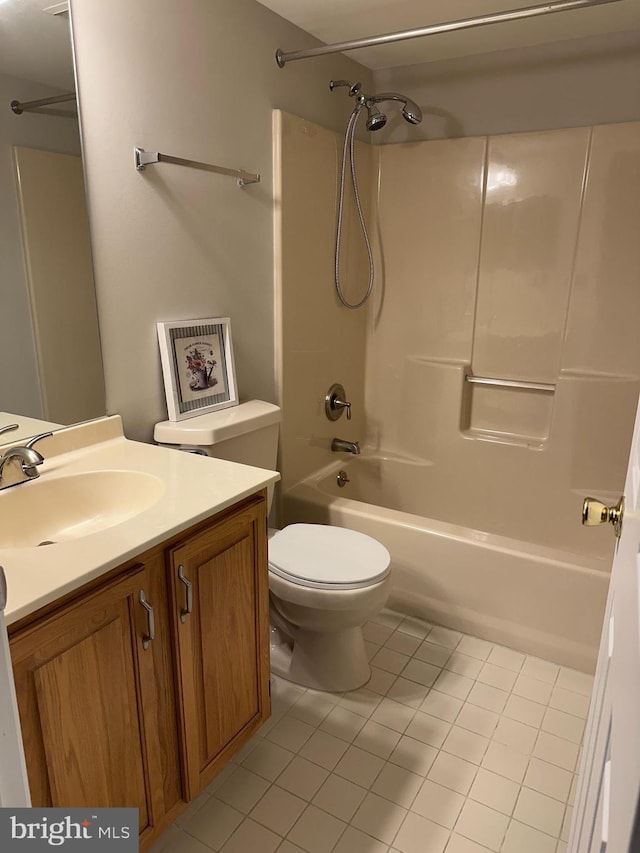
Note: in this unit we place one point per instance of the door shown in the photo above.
(220, 588)
(605, 818)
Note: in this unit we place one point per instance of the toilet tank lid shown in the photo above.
(218, 426)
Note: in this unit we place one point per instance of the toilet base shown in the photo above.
(334, 661)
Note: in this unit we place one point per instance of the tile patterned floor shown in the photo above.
(456, 745)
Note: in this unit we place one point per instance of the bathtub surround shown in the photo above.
(509, 257)
(527, 273)
(455, 746)
(321, 342)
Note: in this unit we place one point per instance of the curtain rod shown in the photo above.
(19, 107)
(451, 26)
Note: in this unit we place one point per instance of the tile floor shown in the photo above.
(455, 745)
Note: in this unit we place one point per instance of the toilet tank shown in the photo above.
(247, 433)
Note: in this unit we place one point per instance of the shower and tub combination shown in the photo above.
(490, 392)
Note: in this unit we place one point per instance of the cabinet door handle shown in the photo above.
(189, 594)
(151, 620)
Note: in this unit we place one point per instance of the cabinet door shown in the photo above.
(221, 613)
(81, 675)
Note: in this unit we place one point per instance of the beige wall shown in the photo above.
(565, 84)
(195, 79)
(22, 394)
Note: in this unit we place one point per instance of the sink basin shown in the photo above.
(47, 511)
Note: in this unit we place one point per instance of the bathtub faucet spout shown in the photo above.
(339, 444)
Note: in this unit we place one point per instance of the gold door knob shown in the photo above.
(595, 512)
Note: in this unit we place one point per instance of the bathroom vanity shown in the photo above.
(139, 676)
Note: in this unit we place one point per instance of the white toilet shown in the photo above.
(325, 582)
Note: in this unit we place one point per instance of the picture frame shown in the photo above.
(197, 366)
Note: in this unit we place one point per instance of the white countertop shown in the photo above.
(195, 487)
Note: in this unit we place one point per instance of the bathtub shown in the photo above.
(453, 564)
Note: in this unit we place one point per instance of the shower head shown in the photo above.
(375, 119)
(411, 112)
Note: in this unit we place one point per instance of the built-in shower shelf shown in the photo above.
(509, 411)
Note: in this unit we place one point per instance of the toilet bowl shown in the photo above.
(324, 582)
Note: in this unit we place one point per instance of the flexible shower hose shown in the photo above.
(348, 150)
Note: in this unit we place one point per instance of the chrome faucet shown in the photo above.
(19, 464)
(338, 444)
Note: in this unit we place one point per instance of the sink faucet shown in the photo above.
(347, 446)
(19, 464)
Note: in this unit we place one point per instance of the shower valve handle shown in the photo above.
(334, 403)
(343, 404)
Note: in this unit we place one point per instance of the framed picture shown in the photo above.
(197, 365)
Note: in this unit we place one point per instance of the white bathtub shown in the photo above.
(541, 599)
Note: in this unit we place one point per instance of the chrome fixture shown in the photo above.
(188, 587)
(595, 512)
(147, 158)
(340, 444)
(342, 479)
(376, 120)
(511, 383)
(19, 464)
(433, 29)
(151, 620)
(9, 428)
(335, 403)
(19, 107)
(26, 459)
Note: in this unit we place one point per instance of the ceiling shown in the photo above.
(341, 20)
(35, 45)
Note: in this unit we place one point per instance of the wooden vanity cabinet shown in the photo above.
(111, 717)
(220, 588)
(97, 708)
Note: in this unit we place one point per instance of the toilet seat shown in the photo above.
(325, 557)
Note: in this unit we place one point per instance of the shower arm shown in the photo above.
(386, 96)
(447, 27)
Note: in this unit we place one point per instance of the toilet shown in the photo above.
(325, 582)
